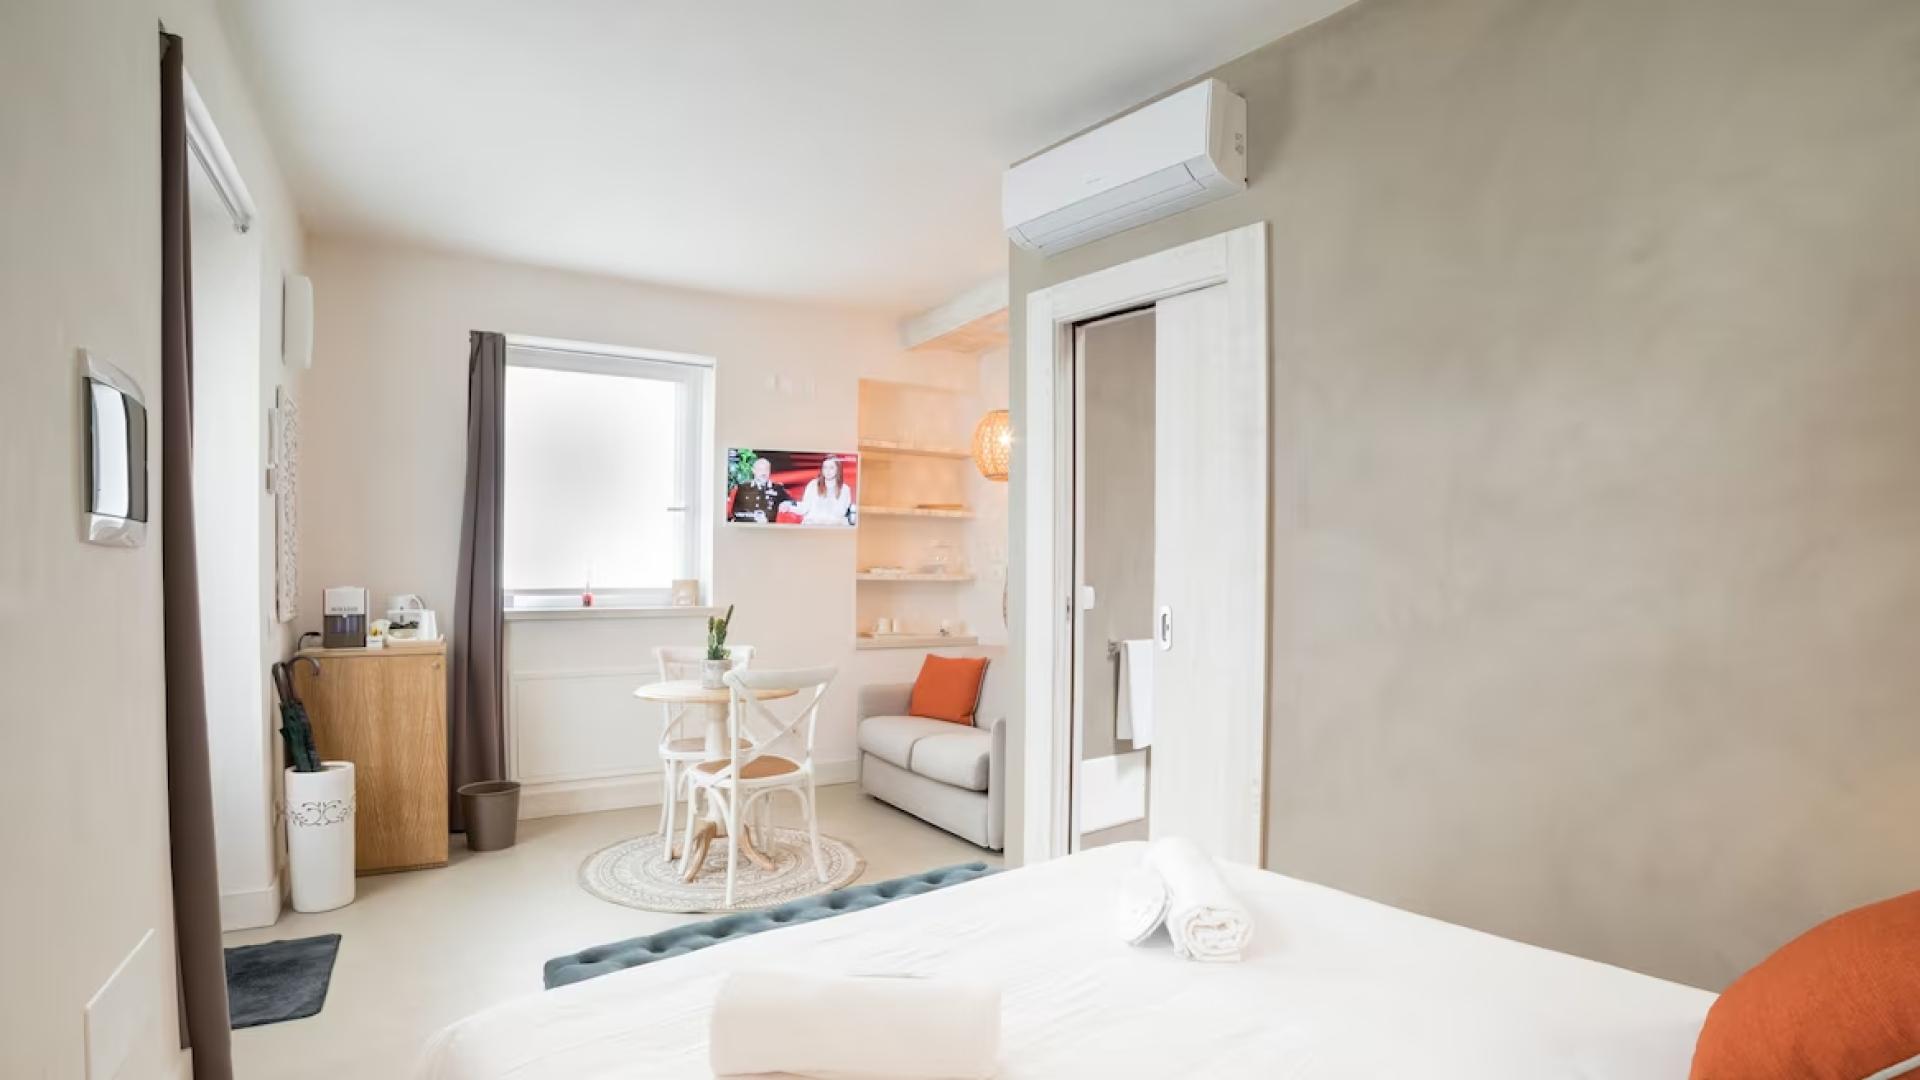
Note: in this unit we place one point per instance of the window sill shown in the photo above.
(607, 611)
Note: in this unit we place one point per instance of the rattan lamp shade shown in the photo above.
(993, 444)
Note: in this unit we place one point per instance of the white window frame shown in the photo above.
(694, 375)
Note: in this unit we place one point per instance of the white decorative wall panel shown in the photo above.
(581, 725)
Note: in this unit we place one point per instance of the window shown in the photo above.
(604, 485)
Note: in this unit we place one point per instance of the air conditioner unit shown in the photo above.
(1184, 150)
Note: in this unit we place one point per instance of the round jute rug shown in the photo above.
(636, 873)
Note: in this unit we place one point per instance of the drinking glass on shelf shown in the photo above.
(939, 558)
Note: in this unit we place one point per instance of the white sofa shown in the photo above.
(950, 775)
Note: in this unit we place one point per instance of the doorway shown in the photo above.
(1113, 495)
(231, 517)
(1140, 457)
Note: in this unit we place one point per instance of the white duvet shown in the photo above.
(1333, 986)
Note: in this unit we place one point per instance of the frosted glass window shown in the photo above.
(597, 480)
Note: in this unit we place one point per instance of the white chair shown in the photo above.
(679, 748)
(738, 785)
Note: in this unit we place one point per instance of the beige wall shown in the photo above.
(1597, 399)
(81, 723)
(385, 430)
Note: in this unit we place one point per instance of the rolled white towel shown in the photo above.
(854, 1027)
(1204, 918)
(1142, 905)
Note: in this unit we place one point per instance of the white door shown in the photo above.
(1210, 602)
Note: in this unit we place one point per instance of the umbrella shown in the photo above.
(295, 728)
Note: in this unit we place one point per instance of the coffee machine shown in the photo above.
(346, 618)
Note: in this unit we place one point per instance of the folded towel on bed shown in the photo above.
(1205, 919)
(1143, 905)
(854, 1027)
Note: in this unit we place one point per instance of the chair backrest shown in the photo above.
(682, 662)
(811, 684)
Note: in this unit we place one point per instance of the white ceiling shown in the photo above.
(839, 150)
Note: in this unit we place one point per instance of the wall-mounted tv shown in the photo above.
(814, 489)
(116, 497)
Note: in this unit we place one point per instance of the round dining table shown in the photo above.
(714, 701)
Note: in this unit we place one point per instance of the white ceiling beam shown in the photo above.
(972, 322)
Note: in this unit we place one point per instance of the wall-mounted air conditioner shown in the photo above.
(1186, 149)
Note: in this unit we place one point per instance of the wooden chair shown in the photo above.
(741, 783)
(679, 749)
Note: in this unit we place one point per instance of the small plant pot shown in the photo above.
(713, 673)
(320, 808)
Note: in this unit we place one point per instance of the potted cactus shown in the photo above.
(718, 660)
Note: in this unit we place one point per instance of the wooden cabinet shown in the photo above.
(385, 710)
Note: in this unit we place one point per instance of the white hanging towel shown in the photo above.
(1134, 721)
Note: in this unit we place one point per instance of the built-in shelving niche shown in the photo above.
(914, 551)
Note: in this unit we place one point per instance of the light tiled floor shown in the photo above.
(420, 950)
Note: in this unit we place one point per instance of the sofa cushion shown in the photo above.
(958, 756)
(948, 688)
(936, 749)
(891, 738)
(966, 814)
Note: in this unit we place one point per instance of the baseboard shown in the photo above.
(559, 798)
(836, 772)
(250, 908)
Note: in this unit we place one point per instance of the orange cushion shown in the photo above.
(1839, 1002)
(948, 689)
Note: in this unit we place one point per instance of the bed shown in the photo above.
(1334, 986)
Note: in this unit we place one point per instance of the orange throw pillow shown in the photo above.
(948, 689)
(1839, 1002)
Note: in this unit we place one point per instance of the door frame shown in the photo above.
(1235, 260)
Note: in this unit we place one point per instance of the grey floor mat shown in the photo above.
(279, 980)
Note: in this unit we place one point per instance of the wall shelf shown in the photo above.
(920, 548)
(914, 511)
(915, 641)
(887, 448)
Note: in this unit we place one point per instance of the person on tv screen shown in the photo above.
(760, 501)
(827, 501)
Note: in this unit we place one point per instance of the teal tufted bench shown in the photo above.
(633, 952)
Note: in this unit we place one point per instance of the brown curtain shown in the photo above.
(196, 880)
(476, 736)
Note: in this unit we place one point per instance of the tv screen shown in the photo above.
(798, 488)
